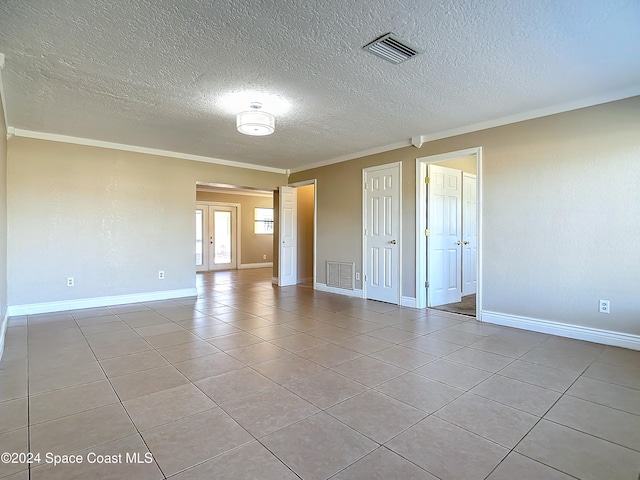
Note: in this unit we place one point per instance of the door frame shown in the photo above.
(238, 242)
(304, 183)
(421, 222)
(364, 223)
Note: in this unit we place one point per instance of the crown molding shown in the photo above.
(54, 137)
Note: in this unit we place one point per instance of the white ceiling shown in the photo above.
(155, 74)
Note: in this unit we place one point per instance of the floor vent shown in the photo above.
(392, 49)
(341, 275)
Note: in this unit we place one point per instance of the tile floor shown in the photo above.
(249, 381)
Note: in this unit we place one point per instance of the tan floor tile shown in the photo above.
(271, 332)
(137, 384)
(369, 371)
(432, 346)
(453, 335)
(491, 420)
(440, 447)
(184, 443)
(479, 359)
(188, 351)
(136, 362)
(13, 381)
(93, 427)
(43, 359)
(514, 393)
(159, 329)
(578, 454)
(23, 475)
(198, 322)
(127, 347)
(622, 357)
(570, 354)
(91, 313)
(454, 374)
(251, 461)
(287, 368)
(64, 376)
(393, 335)
(234, 340)
(363, 344)
(14, 415)
(329, 355)
(129, 454)
(143, 319)
(269, 410)
(608, 394)
(257, 353)
(502, 345)
(111, 337)
(298, 342)
(404, 357)
(383, 464)
(325, 388)
(607, 423)
(70, 400)
(208, 366)
(15, 441)
(318, 447)
(420, 392)
(167, 406)
(556, 379)
(620, 375)
(112, 326)
(180, 312)
(376, 415)
(523, 468)
(172, 338)
(233, 386)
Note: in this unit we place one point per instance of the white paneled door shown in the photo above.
(215, 237)
(444, 243)
(469, 233)
(288, 240)
(382, 229)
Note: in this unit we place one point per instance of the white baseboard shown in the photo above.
(340, 291)
(48, 307)
(243, 266)
(606, 337)
(408, 302)
(3, 331)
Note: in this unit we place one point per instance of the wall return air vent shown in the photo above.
(391, 48)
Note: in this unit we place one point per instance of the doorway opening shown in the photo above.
(449, 220)
(295, 247)
(233, 227)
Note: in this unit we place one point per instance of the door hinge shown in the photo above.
(426, 232)
(426, 284)
(365, 278)
(366, 186)
(426, 180)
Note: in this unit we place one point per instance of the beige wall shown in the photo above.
(560, 213)
(3, 215)
(465, 164)
(252, 246)
(110, 219)
(305, 233)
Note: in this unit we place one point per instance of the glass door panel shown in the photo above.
(222, 241)
(215, 246)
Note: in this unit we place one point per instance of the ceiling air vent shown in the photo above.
(392, 49)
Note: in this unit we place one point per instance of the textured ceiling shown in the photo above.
(155, 73)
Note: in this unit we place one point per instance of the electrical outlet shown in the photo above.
(264, 257)
(161, 275)
(604, 306)
(357, 275)
(70, 282)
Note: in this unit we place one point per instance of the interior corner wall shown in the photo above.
(3, 215)
(252, 246)
(109, 218)
(560, 221)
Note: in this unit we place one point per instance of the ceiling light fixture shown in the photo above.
(255, 121)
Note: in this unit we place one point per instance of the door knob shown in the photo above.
(466, 242)
(392, 242)
(458, 242)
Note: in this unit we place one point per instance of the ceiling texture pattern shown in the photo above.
(156, 73)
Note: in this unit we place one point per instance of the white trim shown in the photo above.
(244, 266)
(3, 331)
(54, 137)
(597, 335)
(408, 302)
(322, 287)
(352, 156)
(363, 222)
(305, 183)
(48, 307)
(421, 222)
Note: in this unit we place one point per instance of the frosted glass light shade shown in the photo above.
(255, 123)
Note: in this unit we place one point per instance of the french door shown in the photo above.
(215, 237)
